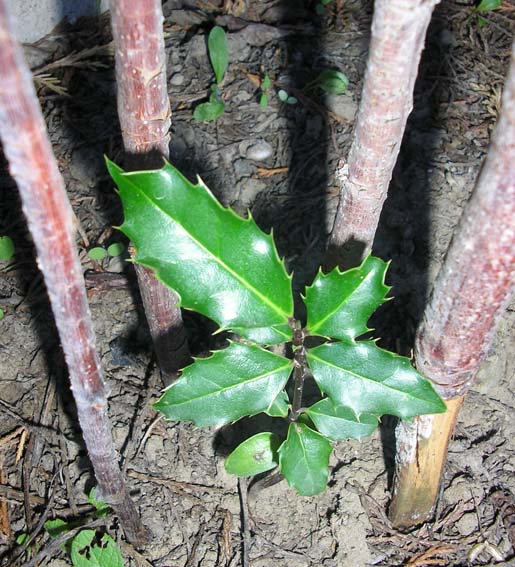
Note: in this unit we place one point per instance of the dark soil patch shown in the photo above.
(280, 163)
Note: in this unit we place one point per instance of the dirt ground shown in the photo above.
(280, 163)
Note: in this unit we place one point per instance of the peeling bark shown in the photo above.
(398, 32)
(471, 291)
(145, 119)
(421, 451)
(50, 219)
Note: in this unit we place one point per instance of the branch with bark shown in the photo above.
(145, 118)
(398, 33)
(470, 295)
(51, 223)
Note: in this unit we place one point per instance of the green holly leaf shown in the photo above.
(86, 553)
(218, 52)
(304, 459)
(280, 406)
(371, 380)
(340, 304)
(220, 264)
(254, 456)
(340, 423)
(237, 381)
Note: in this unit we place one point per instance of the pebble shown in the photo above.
(242, 168)
(260, 151)
(249, 190)
(342, 105)
(176, 80)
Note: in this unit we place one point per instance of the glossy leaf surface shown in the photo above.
(220, 264)
(254, 456)
(340, 304)
(218, 52)
(238, 381)
(368, 379)
(304, 459)
(280, 406)
(340, 423)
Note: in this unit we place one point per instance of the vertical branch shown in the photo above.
(470, 295)
(300, 366)
(144, 113)
(49, 215)
(398, 32)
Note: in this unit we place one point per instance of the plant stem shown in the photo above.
(299, 370)
(473, 287)
(144, 112)
(50, 219)
(398, 31)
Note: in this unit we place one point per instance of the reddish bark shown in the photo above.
(50, 219)
(477, 279)
(470, 295)
(144, 113)
(398, 32)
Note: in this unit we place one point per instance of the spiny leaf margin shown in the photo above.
(339, 304)
(220, 264)
(371, 380)
(238, 381)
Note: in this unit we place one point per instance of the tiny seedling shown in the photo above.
(321, 7)
(265, 87)
(331, 81)
(483, 7)
(6, 249)
(98, 253)
(226, 268)
(283, 96)
(88, 548)
(2, 314)
(219, 57)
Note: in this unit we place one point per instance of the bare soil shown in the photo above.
(279, 163)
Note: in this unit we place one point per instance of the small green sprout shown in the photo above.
(283, 96)
(6, 248)
(321, 6)
(219, 57)
(332, 81)
(2, 314)
(115, 249)
(98, 253)
(483, 7)
(265, 87)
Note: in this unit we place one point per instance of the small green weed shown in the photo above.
(483, 7)
(98, 253)
(6, 249)
(265, 87)
(219, 57)
(88, 548)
